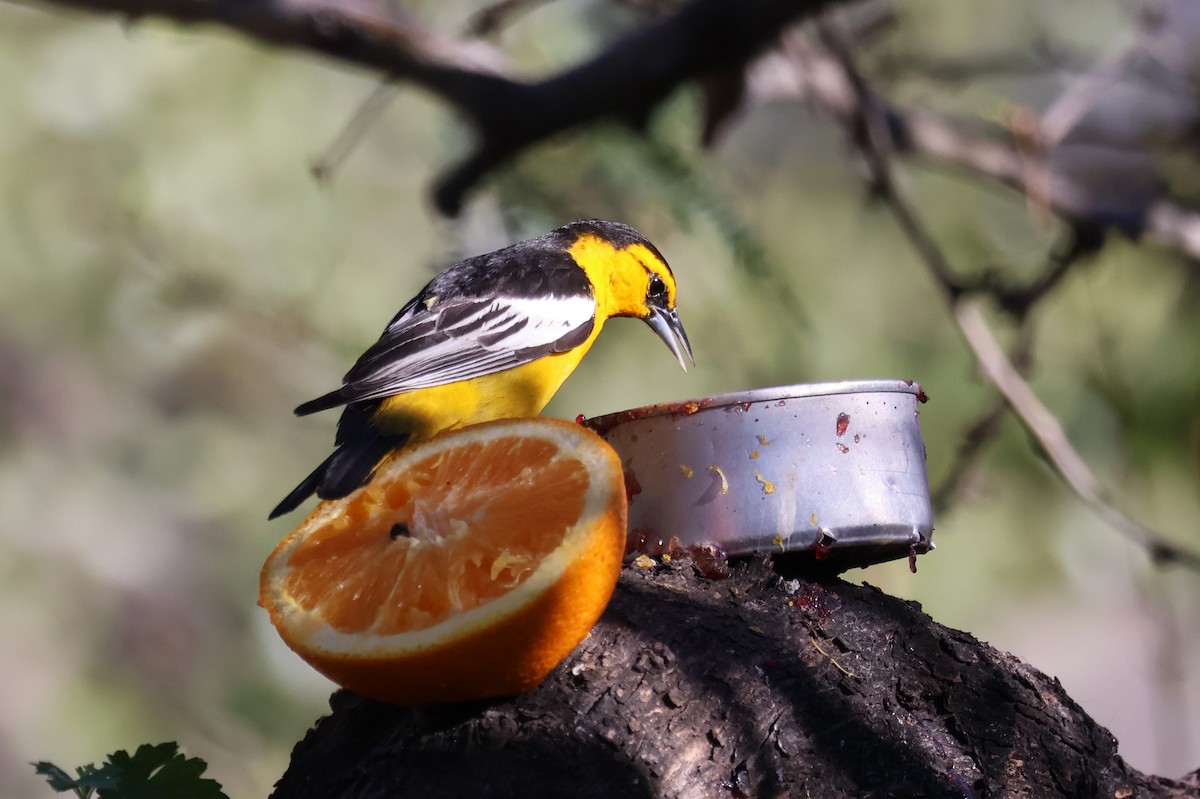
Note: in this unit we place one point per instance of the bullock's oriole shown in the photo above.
(491, 337)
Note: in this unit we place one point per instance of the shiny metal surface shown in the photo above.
(835, 469)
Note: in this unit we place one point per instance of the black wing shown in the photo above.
(480, 316)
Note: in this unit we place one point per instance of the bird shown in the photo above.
(493, 336)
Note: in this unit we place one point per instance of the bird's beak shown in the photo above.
(668, 327)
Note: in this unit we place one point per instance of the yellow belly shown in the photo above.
(519, 392)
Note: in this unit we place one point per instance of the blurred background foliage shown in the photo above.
(173, 282)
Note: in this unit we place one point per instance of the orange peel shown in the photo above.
(468, 567)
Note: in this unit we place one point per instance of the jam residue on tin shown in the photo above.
(823, 544)
(922, 397)
(604, 424)
(843, 422)
(632, 486)
(688, 407)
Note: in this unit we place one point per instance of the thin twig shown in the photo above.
(970, 445)
(486, 21)
(491, 18)
(351, 134)
(978, 434)
(976, 149)
(1045, 427)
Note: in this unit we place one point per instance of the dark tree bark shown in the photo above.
(752, 686)
(626, 81)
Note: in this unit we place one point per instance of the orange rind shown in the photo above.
(468, 567)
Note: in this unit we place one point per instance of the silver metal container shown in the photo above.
(832, 469)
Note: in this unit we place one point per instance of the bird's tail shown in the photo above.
(349, 467)
(322, 403)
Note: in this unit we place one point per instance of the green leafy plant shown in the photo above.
(154, 771)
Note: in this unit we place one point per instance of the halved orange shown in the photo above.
(468, 567)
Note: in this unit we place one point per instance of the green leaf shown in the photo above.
(60, 780)
(153, 771)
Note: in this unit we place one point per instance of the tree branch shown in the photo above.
(802, 72)
(875, 143)
(369, 34)
(751, 686)
(625, 81)
(1044, 426)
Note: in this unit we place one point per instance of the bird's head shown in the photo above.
(631, 278)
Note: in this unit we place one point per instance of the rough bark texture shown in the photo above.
(753, 686)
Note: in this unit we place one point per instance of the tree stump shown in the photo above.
(757, 685)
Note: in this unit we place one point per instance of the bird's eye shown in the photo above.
(657, 290)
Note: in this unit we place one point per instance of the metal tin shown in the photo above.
(833, 469)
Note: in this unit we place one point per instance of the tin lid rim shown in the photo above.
(769, 394)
